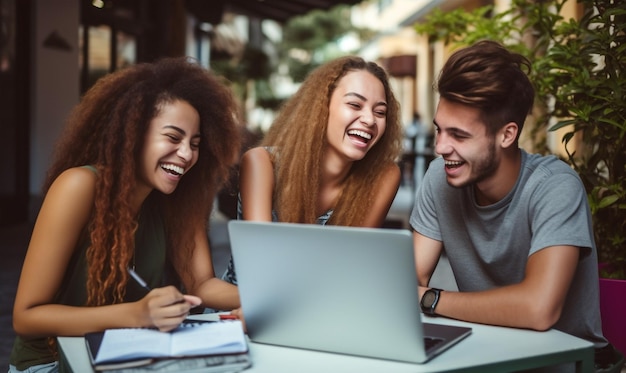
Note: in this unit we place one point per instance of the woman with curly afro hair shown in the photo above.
(132, 186)
(330, 156)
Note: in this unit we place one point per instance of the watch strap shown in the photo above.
(429, 309)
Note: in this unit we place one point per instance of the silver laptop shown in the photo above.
(335, 289)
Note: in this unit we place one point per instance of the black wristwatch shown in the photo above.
(429, 301)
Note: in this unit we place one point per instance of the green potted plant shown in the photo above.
(579, 69)
(588, 83)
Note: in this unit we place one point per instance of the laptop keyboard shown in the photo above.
(430, 342)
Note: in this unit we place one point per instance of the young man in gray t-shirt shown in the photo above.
(515, 227)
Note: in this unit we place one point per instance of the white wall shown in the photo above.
(55, 82)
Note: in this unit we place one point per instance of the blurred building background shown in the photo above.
(53, 51)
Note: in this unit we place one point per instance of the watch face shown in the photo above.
(428, 299)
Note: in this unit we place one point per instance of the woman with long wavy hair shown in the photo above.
(132, 186)
(330, 156)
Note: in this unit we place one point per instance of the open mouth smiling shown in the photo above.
(173, 169)
(360, 135)
(453, 164)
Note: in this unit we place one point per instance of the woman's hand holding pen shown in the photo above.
(165, 308)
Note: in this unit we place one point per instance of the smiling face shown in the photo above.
(469, 151)
(171, 147)
(357, 115)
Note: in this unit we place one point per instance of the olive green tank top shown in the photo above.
(150, 257)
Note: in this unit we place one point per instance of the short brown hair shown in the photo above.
(491, 78)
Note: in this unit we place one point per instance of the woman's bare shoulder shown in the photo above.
(258, 156)
(391, 170)
(76, 181)
(77, 175)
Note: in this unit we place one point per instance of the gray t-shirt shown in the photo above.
(489, 246)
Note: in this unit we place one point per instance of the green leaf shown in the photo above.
(608, 201)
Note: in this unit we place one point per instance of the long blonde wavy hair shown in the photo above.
(299, 135)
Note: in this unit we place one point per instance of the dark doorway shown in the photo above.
(14, 109)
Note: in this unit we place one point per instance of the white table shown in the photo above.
(487, 349)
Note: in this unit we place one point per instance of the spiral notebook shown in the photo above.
(192, 346)
(334, 289)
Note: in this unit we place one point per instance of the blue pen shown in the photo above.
(139, 280)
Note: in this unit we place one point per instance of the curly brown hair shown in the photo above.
(107, 130)
(298, 170)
